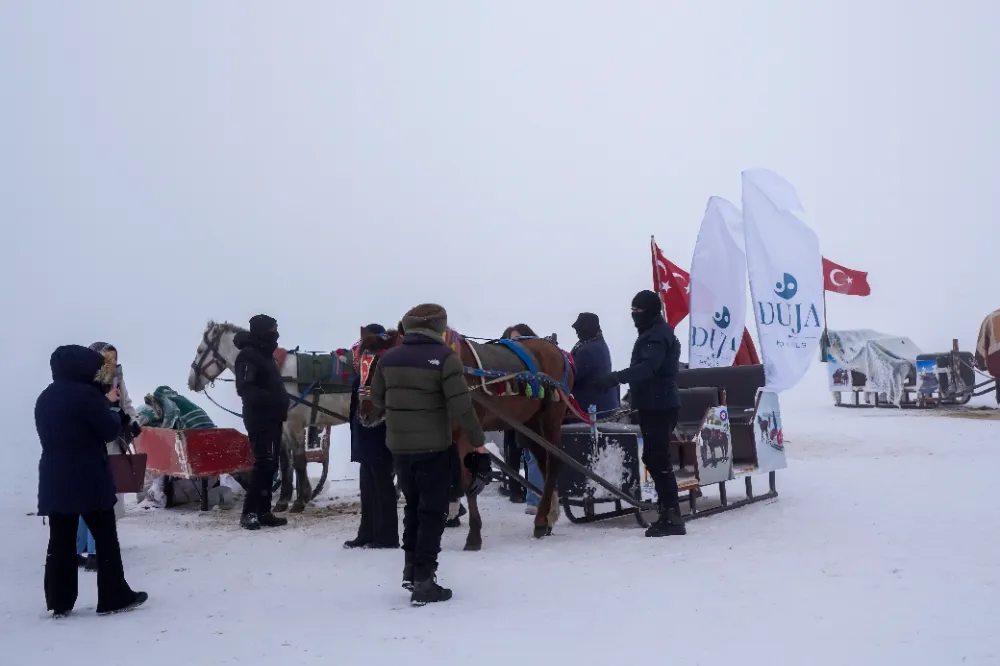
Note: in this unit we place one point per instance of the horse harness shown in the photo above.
(212, 356)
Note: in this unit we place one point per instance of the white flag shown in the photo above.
(718, 287)
(786, 278)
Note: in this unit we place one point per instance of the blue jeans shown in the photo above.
(84, 540)
(534, 477)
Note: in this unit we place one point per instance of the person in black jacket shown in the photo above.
(652, 378)
(74, 421)
(593, 361)
(265, 410)
(379, 526)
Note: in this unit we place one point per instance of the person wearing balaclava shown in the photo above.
(652, 378)
(265, 410)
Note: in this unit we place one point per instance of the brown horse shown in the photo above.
(542, 414)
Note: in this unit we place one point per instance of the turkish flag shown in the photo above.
(672, 283)
(843, 280)
(747, 353)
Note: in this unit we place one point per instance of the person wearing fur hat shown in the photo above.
(652, 378)
(265, 410)
(379, 526)
(109, 376)
(421, 386)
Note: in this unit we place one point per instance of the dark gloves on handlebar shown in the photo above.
(482, 470)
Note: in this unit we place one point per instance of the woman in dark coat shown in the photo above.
(74, 422)
(379, 526)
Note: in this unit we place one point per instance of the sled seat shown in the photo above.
(740, 382)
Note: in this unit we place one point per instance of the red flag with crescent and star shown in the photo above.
(672, 283)
(842, 280)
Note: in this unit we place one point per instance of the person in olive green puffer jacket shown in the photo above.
(421, 386)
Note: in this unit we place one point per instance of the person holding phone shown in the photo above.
(74, 420)
(111, 380)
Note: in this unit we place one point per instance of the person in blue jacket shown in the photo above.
(593, 361)
(74, 421)
(379, 526)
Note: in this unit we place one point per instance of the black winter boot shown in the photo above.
(138, 599)
(668, 524)
(271, 520)
(250, 521)
(408, 572)
(91, 563)
(427, 591)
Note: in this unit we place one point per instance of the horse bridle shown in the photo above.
(364, 387)
(212, 356)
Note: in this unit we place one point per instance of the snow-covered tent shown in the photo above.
(885, 360)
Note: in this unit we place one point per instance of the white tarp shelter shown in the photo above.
(885, 360)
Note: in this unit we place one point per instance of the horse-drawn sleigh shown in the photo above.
(526, 385)
(513, 386)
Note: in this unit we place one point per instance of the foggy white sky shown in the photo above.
(335, 163)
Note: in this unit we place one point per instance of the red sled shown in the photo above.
(195, 454)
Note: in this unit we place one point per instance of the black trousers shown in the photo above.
(61, 567)
(657, 431)
(426, 480)
(512, 452)
(265, 444)
(379, 522)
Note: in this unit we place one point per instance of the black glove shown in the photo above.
(136, 429)
(606, 382)
(124, 418)
(482, 470)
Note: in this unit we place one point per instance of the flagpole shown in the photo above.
(825, 340)
(656, 276)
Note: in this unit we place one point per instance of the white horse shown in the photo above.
(217, 353)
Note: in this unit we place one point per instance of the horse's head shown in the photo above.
(367, 352)
(215, 353)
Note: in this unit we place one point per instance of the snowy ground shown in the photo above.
(881, 549)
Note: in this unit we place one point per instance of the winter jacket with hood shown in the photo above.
(652, 377)
(421, 385)
(258, 378)
(74, 421)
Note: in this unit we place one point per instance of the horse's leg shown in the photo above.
(303, 489)
(474, 539)
(285, 495)
(548, 424)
